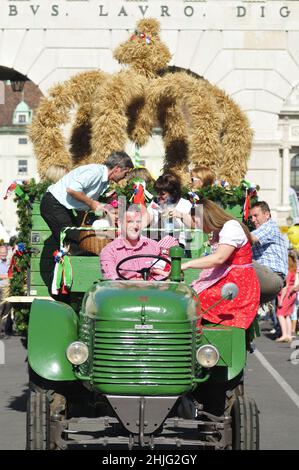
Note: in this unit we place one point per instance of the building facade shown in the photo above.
(17, 161)
(249, 48)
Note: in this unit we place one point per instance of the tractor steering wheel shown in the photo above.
(145, 272)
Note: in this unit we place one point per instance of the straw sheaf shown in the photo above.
(144, 118)
(149, 26)
(53, 151)
(83, 85)
(53, 112)
(78, 88)
(110, 113)
(196, 138)
(145, 59)
(80, 142)
(61, 97)
(49, 114)
(205, 129)
(236, 138)
(48, 142)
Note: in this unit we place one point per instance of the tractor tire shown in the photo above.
(38, 420)
(245, 424)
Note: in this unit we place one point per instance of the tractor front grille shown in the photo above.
(134, 358)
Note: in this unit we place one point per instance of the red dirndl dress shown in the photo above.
(240, 311)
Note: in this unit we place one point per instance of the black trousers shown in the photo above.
(58, 217)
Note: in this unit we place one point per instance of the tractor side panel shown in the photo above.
(52, 327)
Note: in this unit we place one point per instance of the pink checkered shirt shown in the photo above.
(119, 249)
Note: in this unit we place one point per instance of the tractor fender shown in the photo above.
(239, 353)
(231, 343)
(52, 327)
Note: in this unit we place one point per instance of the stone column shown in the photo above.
(283, 210)
(285, 175)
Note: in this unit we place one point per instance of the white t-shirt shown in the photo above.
(90, 179)
(232, 234)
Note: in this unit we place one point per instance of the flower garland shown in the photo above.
(221, 192)
(25, 194)
(224, 194)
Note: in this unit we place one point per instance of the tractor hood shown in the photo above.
(128, 300)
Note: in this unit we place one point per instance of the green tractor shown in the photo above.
(125, 364)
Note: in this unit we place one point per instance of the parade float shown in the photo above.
(124, 362)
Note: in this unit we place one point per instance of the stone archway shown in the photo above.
(12, 75)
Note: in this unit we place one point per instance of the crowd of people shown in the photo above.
(258, 262)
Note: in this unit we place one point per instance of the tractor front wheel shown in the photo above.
(245, 424)
(38, 420)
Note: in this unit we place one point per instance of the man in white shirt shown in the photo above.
(80, 190)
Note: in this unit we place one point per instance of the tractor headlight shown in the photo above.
(77, 353)
(207, 355)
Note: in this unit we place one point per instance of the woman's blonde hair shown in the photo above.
(205, 174)
(214, 217)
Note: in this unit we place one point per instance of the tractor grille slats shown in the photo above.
(146, 334)
(146, 369)
(141, 341)
(154, 357)
(141, 380)
(139, 347)
(144, 362)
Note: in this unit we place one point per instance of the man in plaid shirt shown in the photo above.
(270, 252)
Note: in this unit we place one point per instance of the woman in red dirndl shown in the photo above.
(230, 261)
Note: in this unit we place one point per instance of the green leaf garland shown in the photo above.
(17, 284)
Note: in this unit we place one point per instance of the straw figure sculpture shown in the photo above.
(200, 124)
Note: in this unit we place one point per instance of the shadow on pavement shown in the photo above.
(19, 403)
(266, 328)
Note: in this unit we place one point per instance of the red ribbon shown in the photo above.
(10, 188)
(139, 195)
(13, 264)
(246, 206)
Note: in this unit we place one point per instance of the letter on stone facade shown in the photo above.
(143, 9)
(55, 10)
(188, 11)
(241, 11)
(122, 12)
(34, 8)
(164, 10)
(13, 11)
(284, 12)
(101, 11)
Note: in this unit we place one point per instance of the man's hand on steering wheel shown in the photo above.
(145, 272)
(159, 272)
